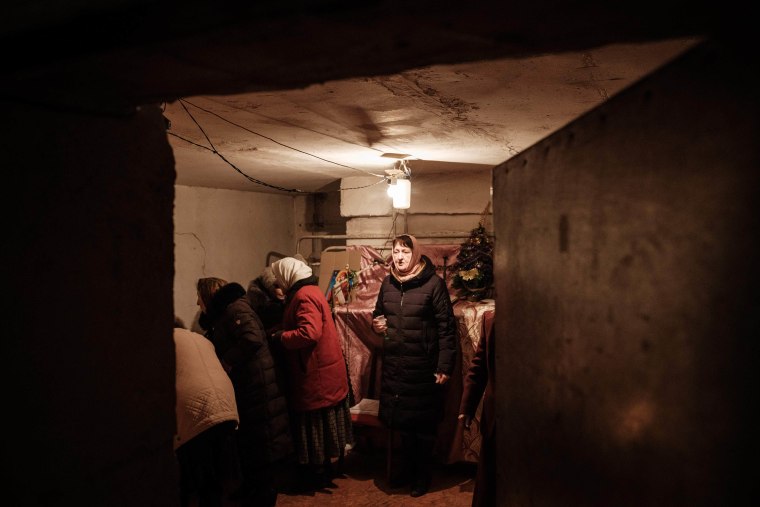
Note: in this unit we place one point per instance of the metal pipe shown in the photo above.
(379, 236)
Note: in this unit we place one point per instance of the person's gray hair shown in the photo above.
(268, 279)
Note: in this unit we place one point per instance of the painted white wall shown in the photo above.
(227, 234)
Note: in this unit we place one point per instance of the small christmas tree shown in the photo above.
(473, 269)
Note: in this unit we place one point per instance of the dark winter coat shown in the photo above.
(480, 383)
(241, 344)
(421, 340)
(316, 368)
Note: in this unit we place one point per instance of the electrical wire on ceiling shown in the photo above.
(216, 152)
(292, 124)
(254, 180)
(365, 186)
(183, 102)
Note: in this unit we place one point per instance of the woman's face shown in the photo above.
(199, 302)
(402, 256)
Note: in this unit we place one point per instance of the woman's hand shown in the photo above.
(379, 324)
(466, 420)
(441, 378)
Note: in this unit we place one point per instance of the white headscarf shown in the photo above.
(290, 270)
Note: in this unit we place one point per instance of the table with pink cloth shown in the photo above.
(363, 347)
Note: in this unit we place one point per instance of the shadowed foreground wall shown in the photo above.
(88, 354)
(627, 278)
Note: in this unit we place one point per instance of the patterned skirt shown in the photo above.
(323, 433)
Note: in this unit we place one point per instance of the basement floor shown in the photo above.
(363, 483)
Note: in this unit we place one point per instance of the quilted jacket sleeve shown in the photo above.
(447, 328)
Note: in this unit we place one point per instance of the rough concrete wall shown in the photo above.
(441, 203)
(226, 234)
(447, 193)
(89, 357)
(318, 214)
(626, 267)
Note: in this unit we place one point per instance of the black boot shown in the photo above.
(321, 478)
(402, 477)
(421, 485)
(303, 481)
(335, 470)
(261, 497)
(422, 464)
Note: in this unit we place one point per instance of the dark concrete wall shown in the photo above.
(165, 49)
(626, 272)
(626, 265)
(89, 357)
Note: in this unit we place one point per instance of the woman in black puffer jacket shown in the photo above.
(414, 313)
(264, 440)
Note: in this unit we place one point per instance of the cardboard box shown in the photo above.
(335, 260)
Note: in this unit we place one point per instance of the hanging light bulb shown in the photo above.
(391, 187)
(402, 195)
(399, 184)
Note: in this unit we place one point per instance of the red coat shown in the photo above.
(317, 375)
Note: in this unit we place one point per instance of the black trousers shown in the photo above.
(205, 462)
(260, 479)
(417, 454)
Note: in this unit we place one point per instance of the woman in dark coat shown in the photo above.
(264, 440)
(480, 383)
(414, 313)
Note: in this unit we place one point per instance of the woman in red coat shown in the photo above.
(318, 380)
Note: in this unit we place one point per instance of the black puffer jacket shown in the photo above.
(241, 344)
(421, 341)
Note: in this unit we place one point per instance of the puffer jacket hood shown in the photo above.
(264, 303)
(219, 303)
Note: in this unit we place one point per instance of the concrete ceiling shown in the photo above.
(298, 95)
(456, 117)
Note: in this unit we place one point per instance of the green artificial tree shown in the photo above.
(473, 269)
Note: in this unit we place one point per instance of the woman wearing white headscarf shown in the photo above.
(318, 379)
